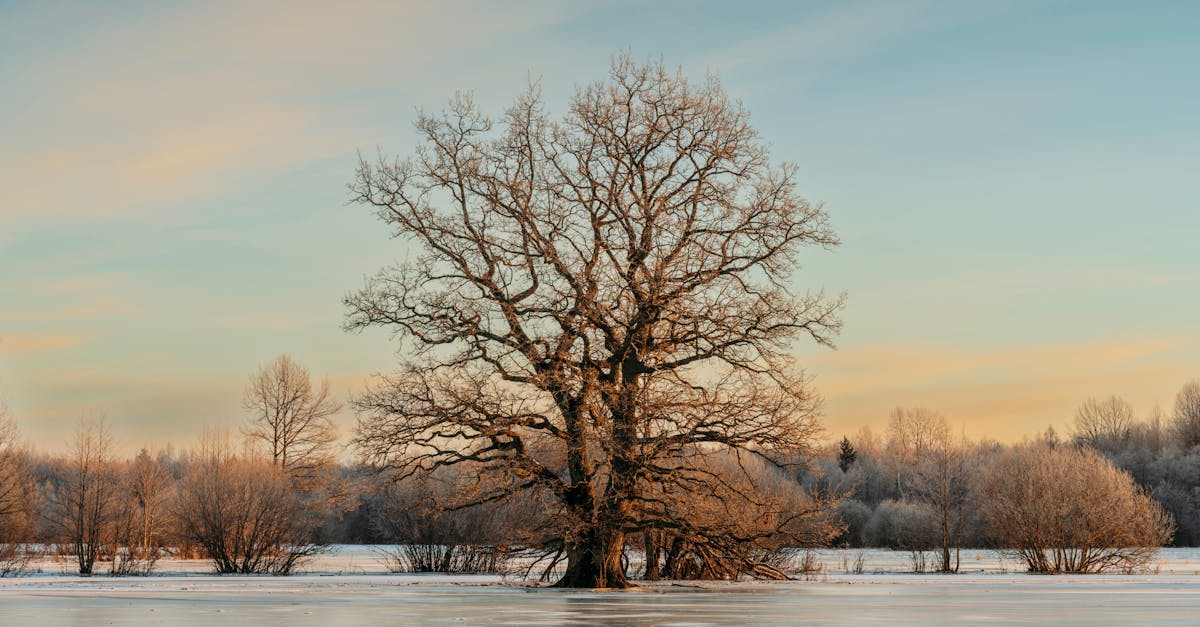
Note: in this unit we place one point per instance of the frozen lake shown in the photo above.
(347, 588)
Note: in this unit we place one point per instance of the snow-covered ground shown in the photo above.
(348, 586)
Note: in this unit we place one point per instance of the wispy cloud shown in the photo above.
(814, 46)
(192, 102)
(30, 343)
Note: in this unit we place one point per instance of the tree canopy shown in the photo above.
(600, 308)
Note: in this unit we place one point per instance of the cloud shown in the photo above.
(30, 343)
(815, 46)
(191, 102)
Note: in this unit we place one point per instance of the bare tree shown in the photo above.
(10, 483)
(1070, 510)
(911, 433)
(1186, 423)
(141, 515)
(595, 299)
(1105, 424)
(16, 498)
(85, 500)
(941, 478)
(291, 418)
(929, 466)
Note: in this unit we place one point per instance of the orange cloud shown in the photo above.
(25, 343)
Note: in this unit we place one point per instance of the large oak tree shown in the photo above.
(594, 304)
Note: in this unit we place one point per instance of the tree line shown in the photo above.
(1104, 497)
(1061, 503)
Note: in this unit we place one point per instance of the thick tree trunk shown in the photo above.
(596, 563)
(595, 559)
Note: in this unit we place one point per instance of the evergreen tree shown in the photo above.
(847, 456)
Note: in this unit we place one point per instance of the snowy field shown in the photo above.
(349, 587)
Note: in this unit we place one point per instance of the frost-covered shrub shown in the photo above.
(905, 525)
(855, 514)
(1064, 509)
(244, 512)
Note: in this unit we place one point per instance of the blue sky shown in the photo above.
(1014, 183)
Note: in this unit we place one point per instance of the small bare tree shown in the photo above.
(290, 417)
(85, 500)
(1070, 510)
(1186, 423)
(16, 498)
(1104, 424)
(142, 496)
(911, 433)
(942, 479)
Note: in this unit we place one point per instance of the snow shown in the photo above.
(349, 587)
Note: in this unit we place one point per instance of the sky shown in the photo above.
(1014, 183)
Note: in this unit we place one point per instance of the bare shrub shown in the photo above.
(1070, 510)
(810, 563)
(854, 514)
(901, 525)
(746, 522)
(428, 538)
(243, 512)
(859, 562)
(444, 558)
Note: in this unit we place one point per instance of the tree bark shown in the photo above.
(651, 548)
(596, 562)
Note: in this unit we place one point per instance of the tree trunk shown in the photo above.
(946, 568)
(651, 549)
(596, 563)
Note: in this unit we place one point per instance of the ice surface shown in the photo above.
(348, 587)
